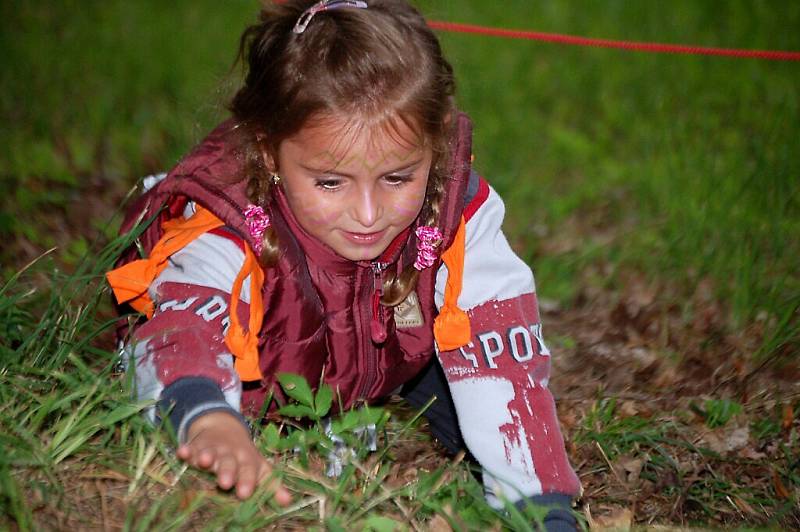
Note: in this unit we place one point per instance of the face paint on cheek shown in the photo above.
(317, 211)
(407, 207)
(409, 204)
(319, 215)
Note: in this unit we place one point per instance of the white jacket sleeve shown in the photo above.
(179, 356)
(499, 380)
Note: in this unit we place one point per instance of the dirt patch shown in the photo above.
(667, 416)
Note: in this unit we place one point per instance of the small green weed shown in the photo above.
(720, 411)
(308, 404)
(618, 435)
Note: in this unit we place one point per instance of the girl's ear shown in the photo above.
(270, 163)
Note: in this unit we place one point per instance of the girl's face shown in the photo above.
(353, 187)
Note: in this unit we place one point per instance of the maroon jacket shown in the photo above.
(334, 296)
(321, 320)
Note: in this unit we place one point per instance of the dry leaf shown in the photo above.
(727, 439)
(632, 468)
(105, 474)
(645, 358)
(620, 520)
(743, 506)
(666, 377)
(714, 441)
(750, 453)
(628, 409)
(738, 438)
(187, 498)
(568, 418)
(439, 524)
(780, 489)
(788, 416)
(410, 474)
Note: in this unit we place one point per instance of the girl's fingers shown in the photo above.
(264, 469)
(200, 458)
(227, 470)
(205, 458)
(184, 452)
(231, 456)
(279, 493)
(248, 475)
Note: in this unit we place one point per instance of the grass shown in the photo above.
(680, 169)
(71, 435)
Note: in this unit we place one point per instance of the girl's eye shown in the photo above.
(328, 184)
(397, 180)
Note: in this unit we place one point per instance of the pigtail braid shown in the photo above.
(397, 287)
(259, 193)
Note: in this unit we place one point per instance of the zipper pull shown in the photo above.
(376, 327)
(377, 271)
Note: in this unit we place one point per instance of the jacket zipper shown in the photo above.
(377, 329)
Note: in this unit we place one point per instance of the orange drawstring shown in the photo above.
(244, 345)
(451, 327)
(131, 281)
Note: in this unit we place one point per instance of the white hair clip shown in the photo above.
(324, 5)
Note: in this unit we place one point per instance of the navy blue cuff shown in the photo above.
(559, 517)
(187, 398)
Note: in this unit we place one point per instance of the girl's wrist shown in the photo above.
(228, 419)
(188, 399)
(559, 516)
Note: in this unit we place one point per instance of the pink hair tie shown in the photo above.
(324, 5)
(257, 222)
(428, 239)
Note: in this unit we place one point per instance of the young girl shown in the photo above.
(333, 228)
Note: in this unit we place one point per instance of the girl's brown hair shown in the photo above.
(380, 64)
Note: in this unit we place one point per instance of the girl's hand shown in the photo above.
(218, 442)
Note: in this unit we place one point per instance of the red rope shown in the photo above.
(774, 55)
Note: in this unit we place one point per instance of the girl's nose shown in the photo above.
(367, 210)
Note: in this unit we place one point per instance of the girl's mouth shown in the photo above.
(364, 239)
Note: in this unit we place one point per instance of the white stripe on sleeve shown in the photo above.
(210, 260)
(492, 271)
